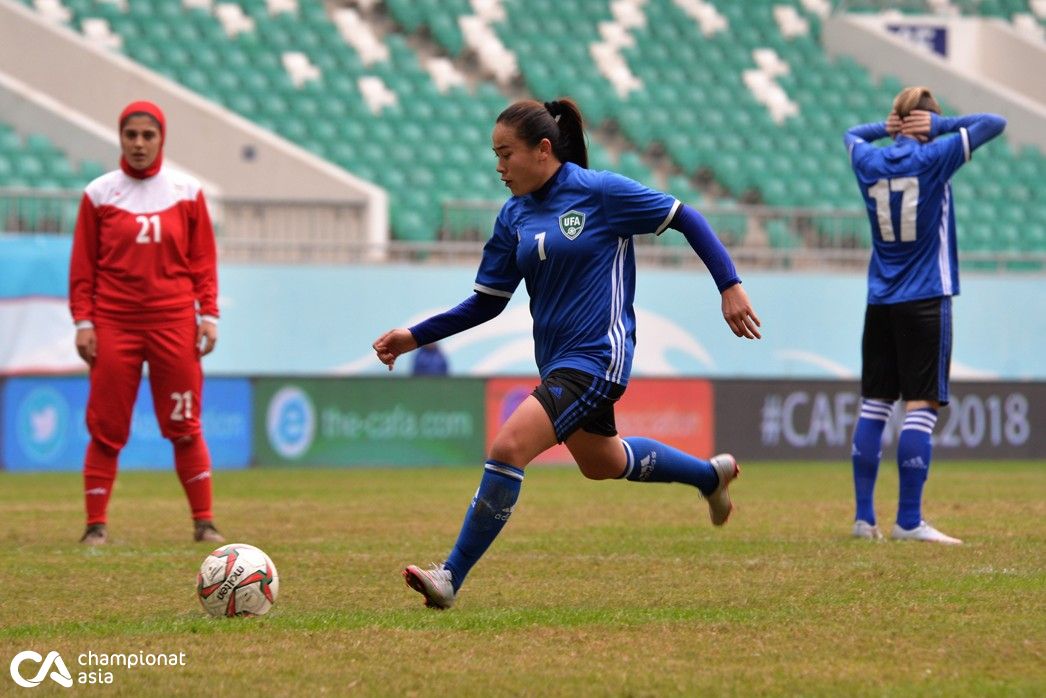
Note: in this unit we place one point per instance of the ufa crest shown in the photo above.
(571, 224)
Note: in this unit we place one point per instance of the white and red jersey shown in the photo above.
(143, 251)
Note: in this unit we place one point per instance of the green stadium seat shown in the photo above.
(780, 235)
(90, 170)
(713, 126)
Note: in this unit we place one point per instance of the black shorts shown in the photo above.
(578, 400)
(906, 351)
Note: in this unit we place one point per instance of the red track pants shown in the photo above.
(176, 379)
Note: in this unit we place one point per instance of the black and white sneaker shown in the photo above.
(205, 532)
(95, 534)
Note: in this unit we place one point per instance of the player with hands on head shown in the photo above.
(567, 232)
(143, 287)
(912, 275)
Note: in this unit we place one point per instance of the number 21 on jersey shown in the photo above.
(880, 193)
(149, 231)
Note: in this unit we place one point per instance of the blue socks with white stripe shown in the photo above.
(490, 510)
(652, 461)
(914, 449)
(867, 450)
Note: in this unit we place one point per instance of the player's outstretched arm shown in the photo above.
(737, 310)
(739, 314)
(703, 240)
(474, 310)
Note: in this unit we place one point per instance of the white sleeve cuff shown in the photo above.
(85, 325)
(209, 318)
(668, 218)
(491, 291)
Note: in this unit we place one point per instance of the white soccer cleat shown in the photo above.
(719, 504)
(863, 529)
(434, 584)
(923, 532)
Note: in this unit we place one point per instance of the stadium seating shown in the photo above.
(35, 164)
(385, 119)
(698, 99)
(736, 93)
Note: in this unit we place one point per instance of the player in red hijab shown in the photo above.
(143, 287)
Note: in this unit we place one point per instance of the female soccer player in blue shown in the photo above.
(567, 232)
(912, 276)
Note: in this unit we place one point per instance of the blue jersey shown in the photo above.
(573, 246)
(908, 196)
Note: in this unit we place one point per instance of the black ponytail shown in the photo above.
(559, 121)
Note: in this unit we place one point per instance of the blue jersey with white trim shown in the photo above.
(573, 247)
(908, 195)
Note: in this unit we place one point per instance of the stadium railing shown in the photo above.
(771, 237)
(248, 230)
(262, 231)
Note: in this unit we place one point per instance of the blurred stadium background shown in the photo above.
(736, 107)
(344, 146)
(345, 149)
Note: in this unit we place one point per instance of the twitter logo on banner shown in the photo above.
(42, 424)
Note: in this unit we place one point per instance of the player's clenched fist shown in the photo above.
(393, 343)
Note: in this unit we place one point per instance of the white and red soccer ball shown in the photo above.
(237, 580)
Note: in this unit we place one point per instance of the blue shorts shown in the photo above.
(577, 400)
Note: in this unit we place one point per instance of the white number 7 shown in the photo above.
(540, 237)
(909, 188)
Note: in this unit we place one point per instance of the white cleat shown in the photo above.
(434, 584)
(923, 532)
(863, 529)
(719, 504)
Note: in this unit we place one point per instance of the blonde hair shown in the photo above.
(915, 98)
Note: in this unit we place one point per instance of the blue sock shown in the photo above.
(490, 510)
(914, 448)
(653, 461)
(867, 450)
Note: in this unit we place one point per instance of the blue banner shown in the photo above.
(44, 427)
(35, 265)
(931, 37)
(812, 321)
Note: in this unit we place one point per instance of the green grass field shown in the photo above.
(605, 588)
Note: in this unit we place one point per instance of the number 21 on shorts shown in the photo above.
(182, 406)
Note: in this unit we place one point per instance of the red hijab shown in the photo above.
(154, 111)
